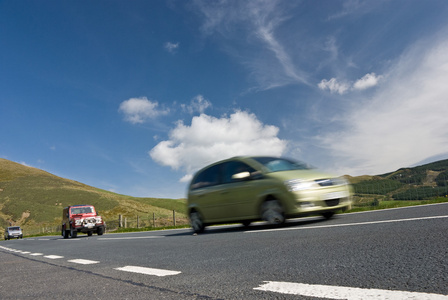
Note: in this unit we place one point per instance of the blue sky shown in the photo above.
(135, 96)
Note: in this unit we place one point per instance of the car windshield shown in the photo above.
(275, 164)
(81, 210)
(14, 228)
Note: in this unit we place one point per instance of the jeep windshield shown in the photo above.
(81, 210)
(275, 164)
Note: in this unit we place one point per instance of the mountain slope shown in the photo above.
(32, 197)
(418, 183)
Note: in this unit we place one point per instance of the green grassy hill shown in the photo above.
(423, 182)
(33, 198)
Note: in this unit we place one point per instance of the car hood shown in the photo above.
(300, 174)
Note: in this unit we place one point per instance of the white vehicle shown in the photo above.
(13, 232)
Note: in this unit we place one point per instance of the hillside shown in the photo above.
(30, 197)
(418, 183)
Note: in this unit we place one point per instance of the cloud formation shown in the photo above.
(198, 104)
(209, 139)
(258, 21)
(368, 81)
(334, 86)
(171, 47)
(404, 122)
(341, 87)
(140, 110)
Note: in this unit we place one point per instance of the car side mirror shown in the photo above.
(241, 176)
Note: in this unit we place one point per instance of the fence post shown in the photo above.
(125, 222)
(120, 219)
(174, 217)
(154, 219)
(138, 222)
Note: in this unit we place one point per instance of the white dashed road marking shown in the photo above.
(340, 292)
(53, 256)
(148, 271)
(83, 261)
(36, 254)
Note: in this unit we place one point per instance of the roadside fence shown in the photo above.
(114, 223)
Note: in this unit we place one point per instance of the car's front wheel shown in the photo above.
(327, 215)
(272, 212)
(196, 222)
(65, 233)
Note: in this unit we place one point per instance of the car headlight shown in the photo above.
(298, 185)
(98, 220)
(78, 222)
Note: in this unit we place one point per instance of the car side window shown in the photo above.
(235, 167)
(208, 177)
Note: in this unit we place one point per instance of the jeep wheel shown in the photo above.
(89, 233)
(73, 233)
(65, 233)
(100, 230)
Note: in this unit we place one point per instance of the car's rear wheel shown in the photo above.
(73, 233)
(196, 222)
(272, 212)
(89, 233)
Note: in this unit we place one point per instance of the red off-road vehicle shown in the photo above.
(81, 218)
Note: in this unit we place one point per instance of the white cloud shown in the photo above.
(25, 164)
(404, 122)
(140, 110)
(197, 104)
(335, 86)
(368, 81)
(210, 139)
(171, 47)
(258, 21)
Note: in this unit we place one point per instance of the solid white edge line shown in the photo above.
(340, 292)
(133, 238)
(148, 271)
(348, 224)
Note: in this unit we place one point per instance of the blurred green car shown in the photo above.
(248, 189)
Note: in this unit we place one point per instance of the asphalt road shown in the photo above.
(398, 253)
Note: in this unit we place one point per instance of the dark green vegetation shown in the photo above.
(407, 186)
(33, 198)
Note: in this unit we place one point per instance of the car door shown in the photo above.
(205, 194)
(241, 190)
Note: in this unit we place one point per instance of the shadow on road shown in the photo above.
(254, 226)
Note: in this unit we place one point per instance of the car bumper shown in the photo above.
(320, 202)
(88, 227)
(15, 236)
